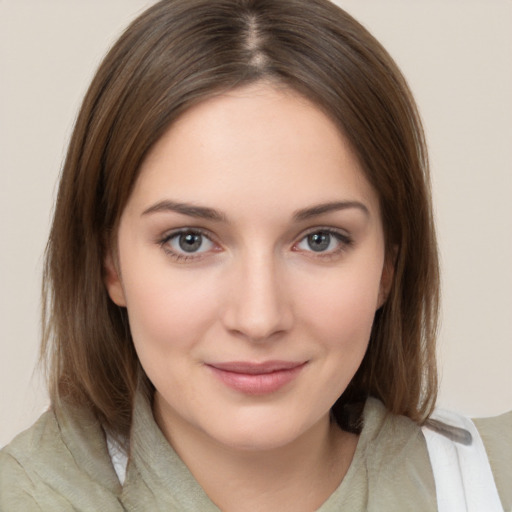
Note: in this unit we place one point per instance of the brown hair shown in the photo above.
(176, 54)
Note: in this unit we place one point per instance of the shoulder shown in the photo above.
(58, 464)
(17, 486)
(32, 445)
(496, 433)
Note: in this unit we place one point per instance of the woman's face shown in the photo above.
(251, 262)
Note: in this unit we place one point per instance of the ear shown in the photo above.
(112, 280)
(386, 279)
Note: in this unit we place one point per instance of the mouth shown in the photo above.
(256, 378)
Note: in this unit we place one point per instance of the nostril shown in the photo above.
(257, 322)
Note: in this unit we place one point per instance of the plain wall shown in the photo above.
(457, 56)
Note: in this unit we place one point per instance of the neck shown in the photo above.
(298, 476)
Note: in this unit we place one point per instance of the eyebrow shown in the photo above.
(323, 208)
(201, 212)
(204, 212)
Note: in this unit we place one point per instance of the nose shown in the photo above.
(258, 307)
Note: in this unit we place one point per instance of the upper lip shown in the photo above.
(256, 368)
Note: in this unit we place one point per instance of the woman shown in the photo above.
(241, 277)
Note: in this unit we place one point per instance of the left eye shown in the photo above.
(321, 241)
(189, 242)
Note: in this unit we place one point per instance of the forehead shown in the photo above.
(258, 145)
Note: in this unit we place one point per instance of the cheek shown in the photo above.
(168, 318)
(167, 310)
(343, 306)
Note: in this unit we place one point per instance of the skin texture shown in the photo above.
(253, 290)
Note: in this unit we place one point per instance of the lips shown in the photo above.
(256, 378)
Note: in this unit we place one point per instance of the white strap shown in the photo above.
(118, 457)
(462, 473)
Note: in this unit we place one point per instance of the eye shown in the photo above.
(323, 241)
(187, 243)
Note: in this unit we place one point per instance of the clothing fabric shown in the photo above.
(62, 463)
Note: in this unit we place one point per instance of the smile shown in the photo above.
(256, 378)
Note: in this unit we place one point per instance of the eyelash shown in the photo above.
(344, 240)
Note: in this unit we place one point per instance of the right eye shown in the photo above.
(186, 244)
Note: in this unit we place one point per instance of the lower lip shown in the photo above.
(257, 384)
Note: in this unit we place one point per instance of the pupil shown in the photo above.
(190, 242)
(319, 241)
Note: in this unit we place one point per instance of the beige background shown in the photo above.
(457, 55)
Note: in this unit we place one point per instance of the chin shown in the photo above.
(259, 435)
